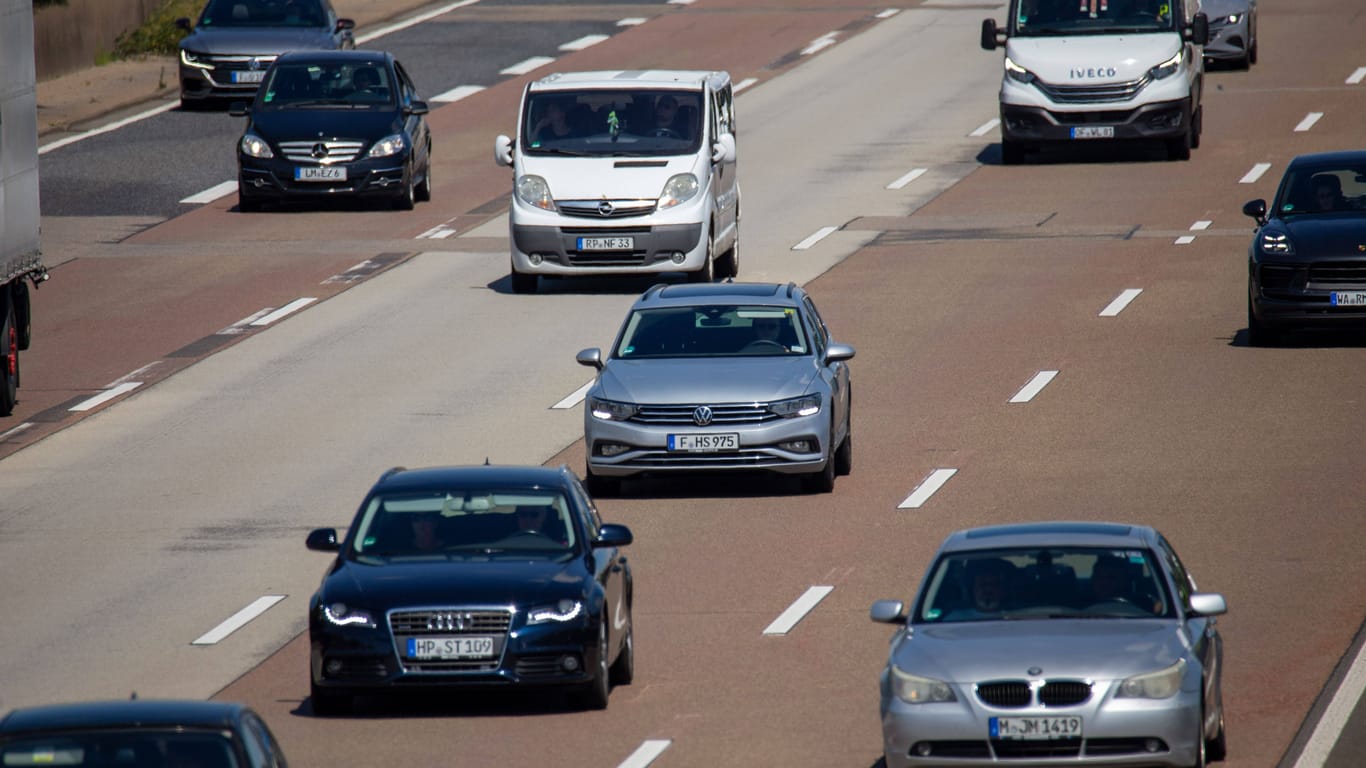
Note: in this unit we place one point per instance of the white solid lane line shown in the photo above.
(814, 238)
(646, 753)
(390, 29)
(797, 611)
(986, 127)
(887, 14)
(1035, 385)
(212, 193)
(1121, 301)
(1256, 173)
(574, 398)
(114, 126)
(12, 432)
(927, 488)
(238, 620)
(1357, 76)
(583, 42)
(634, 21)
(908, 178)
(1308, 122)
(819, 44)
(288, 309)
(1336, 715)
(439, 232)
(456, 94)
(743, 84)
(523, 67)
(106, 396)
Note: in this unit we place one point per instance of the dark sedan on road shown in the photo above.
(137, 733)
(226, 54)
(329, 124)
(461, 577)
(1307, 260)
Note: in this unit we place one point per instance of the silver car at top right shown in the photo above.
(1232, 32)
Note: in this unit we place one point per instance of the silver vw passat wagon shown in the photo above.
(720, 377)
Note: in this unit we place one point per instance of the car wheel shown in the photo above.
(1217, 747)
(246, 204)
(423, 193)
(1201, 757)
(1258, 335)
(9, 355)
(844, 455)
(730, 260)
(23, 313)
(407, 197)
(1197, 126)
(593, 694)
(822, 481)
(1252, 51)
(707, 272)
(191, 105)
(1012, 152)
(1179, 148)
(623, 670)
(523, 283)
(326, 703)
(602, 487)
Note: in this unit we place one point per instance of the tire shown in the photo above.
(192, 105)
(844, 455)
(822, 481)
(1201, 756)
(407, 197)
(593, 694)
(1252, 51)
(23, 313)
(328, 704)
(1179, 148)
(707, 273)
(1197, 126)
(523, 283)
(423, 193)
(9, 354)
(1012, 152)
(730, 260)
(602, 487)
(1258, 335)
(623, 670)
(1216, 749)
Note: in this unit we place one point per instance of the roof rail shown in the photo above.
(790, 288)
(654, 289)
(390, 472)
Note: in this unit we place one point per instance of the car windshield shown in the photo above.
(263, 13)
(613, 123)
(138, 748)
(327, 85)
(1048, 583)
(444, 523)
(713, 331)
(1321, 189)
(1043, 18)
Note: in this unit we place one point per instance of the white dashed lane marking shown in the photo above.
(583, 42)
(212, 193)
(646, 753)
(743, 84)
(819, 44)
(814, 238)
(908, 178)
(887, 14)
(288, 309)
(523, 67)
(1357, 76)
(439, 232)
(797, 611)
(634, 21)
(7, 434)
(1308, 122)
(1256, 173)
(238, 620)
(573, 398)
(986, 127)
(106, 396)
(1121, 301)
(1034, 387)
(927, 488)
(456, 94)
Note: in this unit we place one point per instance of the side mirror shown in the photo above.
(723, 151)
(323, 540)
(345, 25)
(887, 612)
(238, 109)
(1208, 604)
(838, 352)
(990, 35)
(502, 150)
(613, 535)
(1257, 210)
(183, 23)
(416, 108)
(591, 357)
(1199, 29)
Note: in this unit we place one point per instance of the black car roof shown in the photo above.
(1049, 533)
(1346, 157)
(706, 293)
(149, 713)
(478, 476)
(331, 57)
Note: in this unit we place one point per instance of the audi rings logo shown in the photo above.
(605, 208)
(319, 150)
(450, 622)
(701, 415)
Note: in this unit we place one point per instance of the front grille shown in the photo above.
(1064, 693)
(365, 668)
(604, 231)
(237, 62)
(1279, 279)
(1037, 749)
(451, 665)
(449, 621)
(606, 258)
(1338, 274)
(725, 414)
(1129, 746)
(1092, 94)
(740, 458)
(1005, 693)
(1103, 117)
(332, 151)
(593, 209)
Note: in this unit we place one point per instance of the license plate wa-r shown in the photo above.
(1348, 299)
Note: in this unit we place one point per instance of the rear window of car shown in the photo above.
(714, 331)
(122, 748)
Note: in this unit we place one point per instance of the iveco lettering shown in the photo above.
(1141, 78)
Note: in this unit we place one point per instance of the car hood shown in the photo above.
(1092, 59)
(1326, 234)
(1216, 9)
(608, 178)
(1097, 649)
(306, 124)
(398, 583)
(706, 380)
(258, 41)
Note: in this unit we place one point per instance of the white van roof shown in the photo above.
(631, 78)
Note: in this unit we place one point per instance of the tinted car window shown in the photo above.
(131, 747)
(1316, 189)
(614, 122)
(341, 85)
(441, 523)
(714, 331)
(263, 13)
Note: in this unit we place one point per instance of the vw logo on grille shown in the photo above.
(253, 63)
(449, 622)
(319, 150)
(701, 415)
(605, 208)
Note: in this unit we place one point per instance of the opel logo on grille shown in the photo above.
(701, 415)
(319, 150)
(450, 622)
(605, 208)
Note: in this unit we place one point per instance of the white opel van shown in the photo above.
(1107, 70)
(623, 173)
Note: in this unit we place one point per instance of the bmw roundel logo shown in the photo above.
(701, 415)
(1035, 671)
(605, 208)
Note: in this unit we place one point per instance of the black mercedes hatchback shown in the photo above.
(462, 577)
(329, 124)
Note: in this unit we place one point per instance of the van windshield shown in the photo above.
(616, 122)
(1044, 18)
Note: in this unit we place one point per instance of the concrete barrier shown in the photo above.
(69, 37)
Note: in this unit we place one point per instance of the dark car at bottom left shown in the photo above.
(334, 124)
(472, 577)
(142, 733)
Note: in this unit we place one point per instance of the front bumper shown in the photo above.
(273, 179)
(1228, 42)
(213, 84)
(648, 447)
(1038, 125)
(1300, 295)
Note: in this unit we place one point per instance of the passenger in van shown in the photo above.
(554, 123)
(666, 118)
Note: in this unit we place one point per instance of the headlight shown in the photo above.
(1162, 684)
(565, 610)
(611, 411)
(1232, 18)
(797, 406)
(1016, 72)
(1277, 243)
(1168, 67)
(914, 689)
(388, 146)
(255, 146)
(195, 60)
(533, 190)
(678, 190)
(343, 615)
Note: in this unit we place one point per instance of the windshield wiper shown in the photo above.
(555, 151)
(319, 103)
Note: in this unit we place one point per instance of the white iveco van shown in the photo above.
(624, 173)
(1088, 70)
